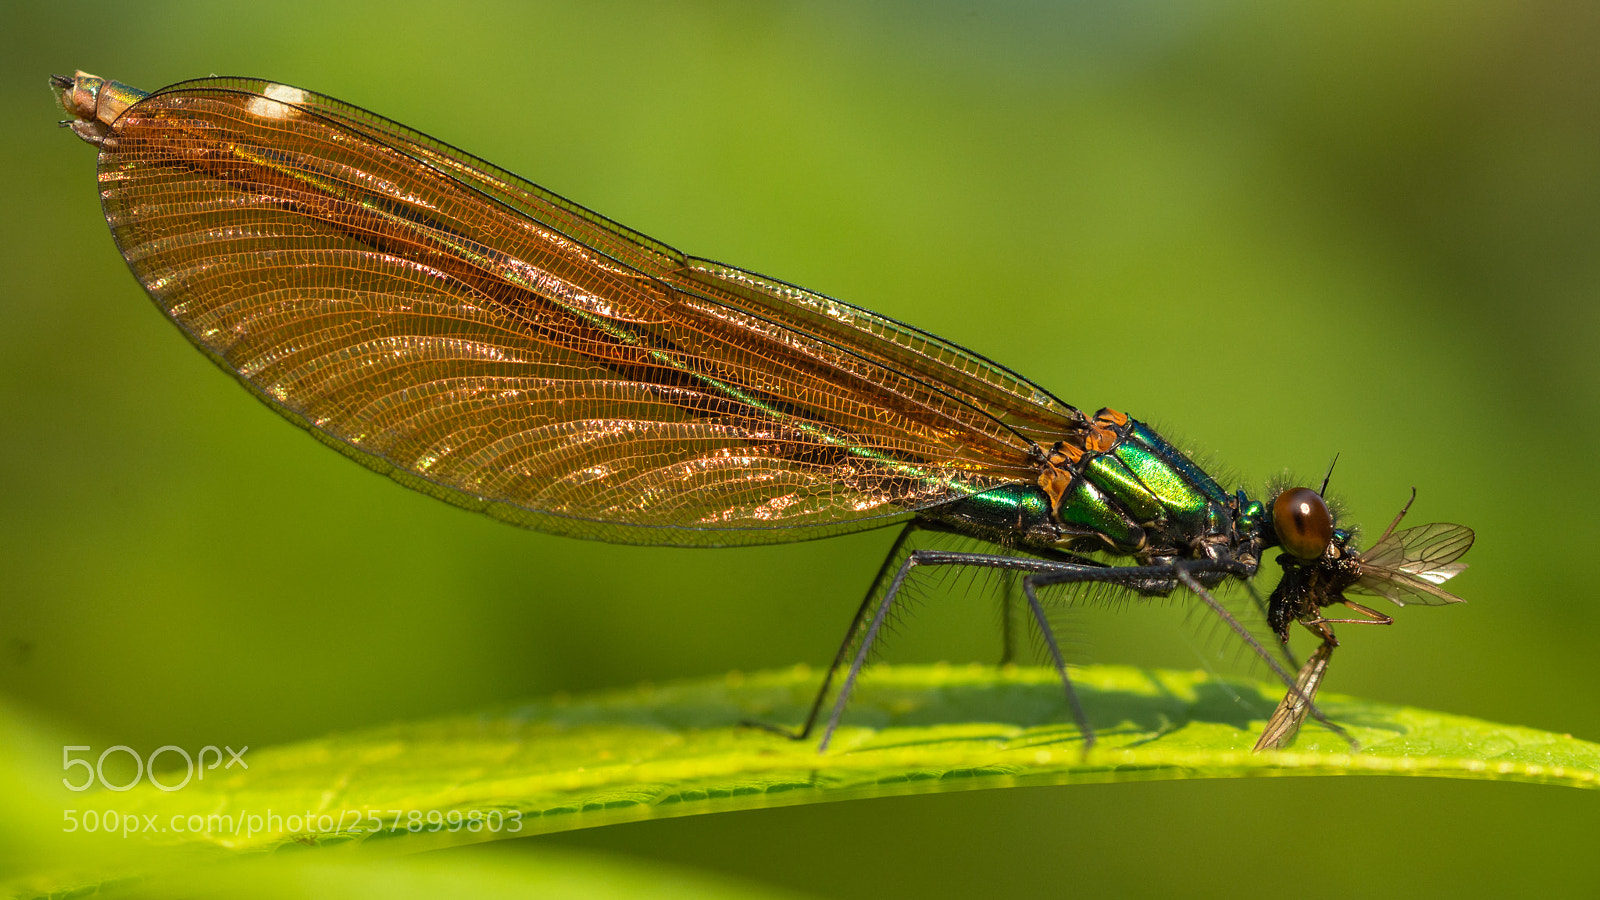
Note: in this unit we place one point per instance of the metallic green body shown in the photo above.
(1086, 505)
(1150, 481)
(1142, 497)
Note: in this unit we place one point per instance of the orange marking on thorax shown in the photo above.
(1105, 430)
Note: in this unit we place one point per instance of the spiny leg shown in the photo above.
(1008, 627)
(1160, 580)
(804, 731)
(1008, 582)
(866, 647)
(943, 558)
(1149, 580)
(1244, 634)
(1078, 715)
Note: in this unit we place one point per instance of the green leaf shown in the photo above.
(656, 752)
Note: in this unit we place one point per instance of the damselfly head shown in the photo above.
(1302, 522)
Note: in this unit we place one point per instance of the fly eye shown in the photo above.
(1303, 523)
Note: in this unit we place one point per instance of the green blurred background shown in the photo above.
(1277, 231)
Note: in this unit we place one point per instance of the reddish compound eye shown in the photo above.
(1304, 526)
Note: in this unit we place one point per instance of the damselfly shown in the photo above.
(485, 341)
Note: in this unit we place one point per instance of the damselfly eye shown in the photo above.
(1303, 523)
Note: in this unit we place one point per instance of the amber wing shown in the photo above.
(490, 343)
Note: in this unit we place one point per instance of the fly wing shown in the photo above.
(1409, 566)
(494, 345)
(1291, 713)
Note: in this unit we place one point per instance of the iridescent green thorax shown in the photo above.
(1088, 506)
(1120, 488)
(1158, 502)
(1161, 487)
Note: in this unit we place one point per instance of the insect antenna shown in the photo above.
(1329, 476)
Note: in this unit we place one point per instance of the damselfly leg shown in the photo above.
(1035, 573)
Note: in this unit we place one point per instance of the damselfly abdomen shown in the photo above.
(480, 339)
